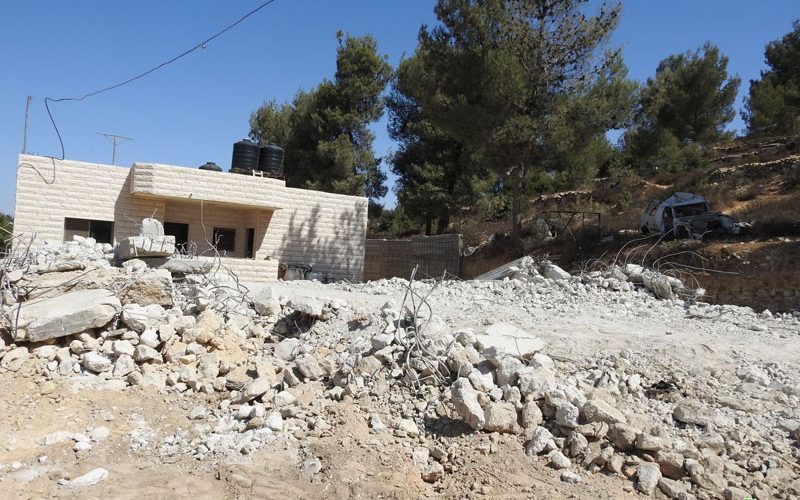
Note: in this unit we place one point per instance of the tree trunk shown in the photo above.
(428, 224)
(444, 221)
(518, 177)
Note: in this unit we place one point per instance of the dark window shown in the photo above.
(225, 239)
(180, 232)
(251, 236)
(101, 230)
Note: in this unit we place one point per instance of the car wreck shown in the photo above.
(687, 215)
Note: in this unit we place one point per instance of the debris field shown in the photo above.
(617, 383)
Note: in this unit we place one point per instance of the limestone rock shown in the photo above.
(409, 427)
(465, 401)
(570, 477)
(508, 370)
(139, 318)
(671, 464)
(14, 359)
(120, 347)
(124, 365)
(96, 362)
(255, 389)
(646, 442)
(692, 414)
(531, 415)
(146, 291)
(286, 349)
(274, 421)
(500, 417)
(647, 477)
(432, 472)
(266, 303)
(599, 411)
(558, 460)
(541, 441)
(533, 382)
(144, 354)
(623, 436)
(567, 415)
(284, 398)
(312, 367)
(483, 382)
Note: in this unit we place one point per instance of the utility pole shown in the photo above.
(115, 139)
(25, 131)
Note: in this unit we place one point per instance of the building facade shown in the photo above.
(254, 223)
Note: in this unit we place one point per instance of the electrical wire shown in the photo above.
(200, 45)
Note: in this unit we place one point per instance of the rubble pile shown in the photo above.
(616, 278)
(262, 367)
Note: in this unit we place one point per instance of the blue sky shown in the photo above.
(194, 110)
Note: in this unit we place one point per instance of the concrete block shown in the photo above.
(145, 246)
(67, 314)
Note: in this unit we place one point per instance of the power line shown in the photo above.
(142, 75)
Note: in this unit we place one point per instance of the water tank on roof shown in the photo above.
(270, 160)
(245, 156)
(210, 165)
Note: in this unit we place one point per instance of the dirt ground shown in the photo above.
(355, 464)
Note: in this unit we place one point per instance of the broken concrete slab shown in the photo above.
(67, 314)
(510, 339)
(307, 305)
(145, 246)
(553, 272)
(508, 270)
(266, 302)
(182, 267)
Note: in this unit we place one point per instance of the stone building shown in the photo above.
(256, 222)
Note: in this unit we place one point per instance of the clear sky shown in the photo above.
(194, 110)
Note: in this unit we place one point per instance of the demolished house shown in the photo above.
(253, 224)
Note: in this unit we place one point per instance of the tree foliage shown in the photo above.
(325, 131)
(508, 87)
(435, 177)
(688, 101)
(773, 105)
(6, 230)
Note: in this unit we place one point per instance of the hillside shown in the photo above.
(754, 180)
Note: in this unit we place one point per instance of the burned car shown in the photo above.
(687, 215)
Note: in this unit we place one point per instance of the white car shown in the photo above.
(686, 215)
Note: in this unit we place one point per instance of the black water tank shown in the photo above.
(210, 165)
(270, 160)
(245, 156)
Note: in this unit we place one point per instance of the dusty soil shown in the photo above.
(355, 464)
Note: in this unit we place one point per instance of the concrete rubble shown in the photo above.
(665, 429)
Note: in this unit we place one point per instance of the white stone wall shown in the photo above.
(49, 190)
(324, 230)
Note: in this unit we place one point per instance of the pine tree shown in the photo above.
(325, 131)
(513, 66)
(773, 105)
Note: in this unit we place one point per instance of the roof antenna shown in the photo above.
(115, 139)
